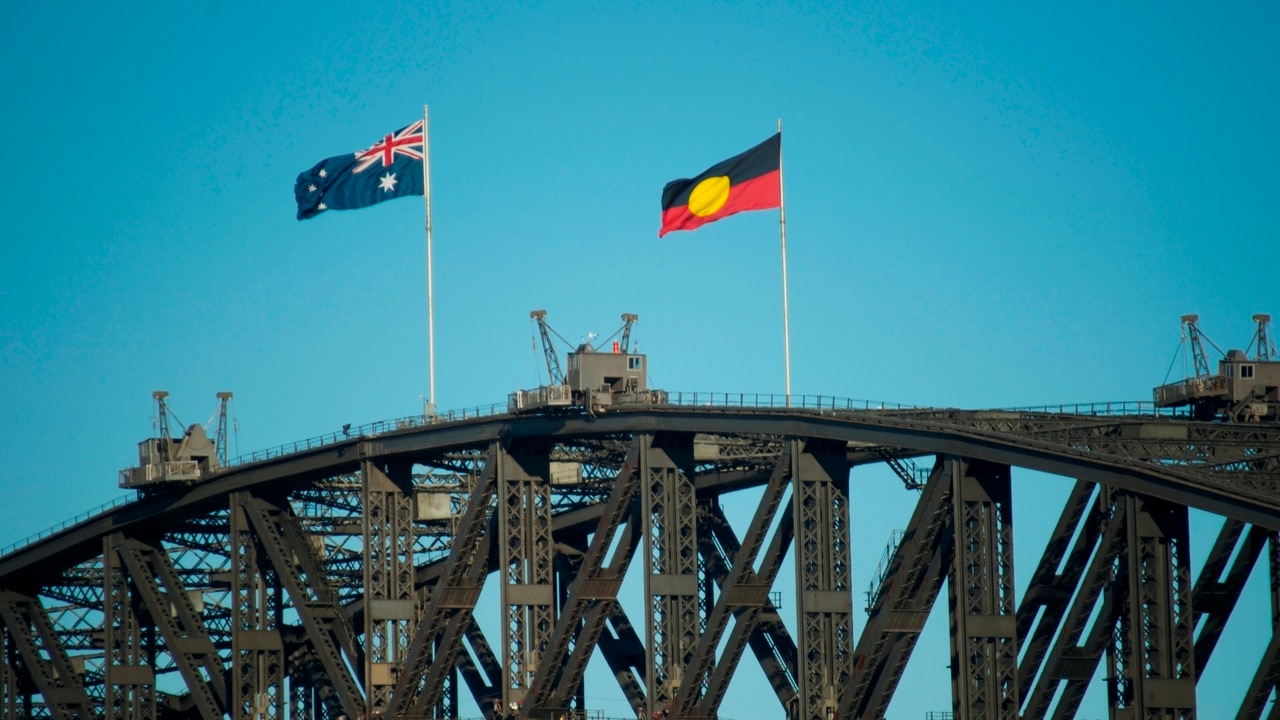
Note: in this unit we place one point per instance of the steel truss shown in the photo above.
(345, 581)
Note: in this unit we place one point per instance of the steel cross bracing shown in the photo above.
(344, 580)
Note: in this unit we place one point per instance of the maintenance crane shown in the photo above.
(166, 459)
(595, 379)
(1244, 389)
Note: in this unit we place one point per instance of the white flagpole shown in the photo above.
(431, 323)
(786, 317)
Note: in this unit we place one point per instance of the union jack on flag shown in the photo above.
(342, 183)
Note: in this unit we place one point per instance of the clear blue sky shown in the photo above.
(991, 206)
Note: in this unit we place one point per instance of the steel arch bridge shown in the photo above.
(340, 578)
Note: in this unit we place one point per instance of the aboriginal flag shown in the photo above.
(750, 181)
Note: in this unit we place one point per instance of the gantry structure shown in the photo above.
(342, 577)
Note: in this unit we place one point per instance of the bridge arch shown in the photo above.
(339, 579)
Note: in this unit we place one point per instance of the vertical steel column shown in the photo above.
(388, 500)
(300, 696)
(984, 645)
(447, 706)
(824, 600)
(129, 682)
(9, 708)
(1273, 565)
(257, 651)
(671, 564)
(525, 563)
(1152, 658)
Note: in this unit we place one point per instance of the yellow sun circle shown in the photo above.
(709, 196)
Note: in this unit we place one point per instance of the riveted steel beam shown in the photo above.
(10, 692)
(1170, 458)
(824, 600)
(129, 682)
(387, 498)
(984, 643)
(671, 564)
(1223, 469)
(524, 562)
(257, 606)
(1152, 658)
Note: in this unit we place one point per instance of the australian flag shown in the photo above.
(391, 168)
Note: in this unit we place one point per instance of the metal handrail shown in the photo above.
(882, 569)
(776, 400)
(371, 429)
(1122, 407)
(110, 504)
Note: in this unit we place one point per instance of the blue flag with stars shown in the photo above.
(391, 168)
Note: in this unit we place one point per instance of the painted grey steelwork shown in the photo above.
(343, 579)
(1244, 388)
(596, 379)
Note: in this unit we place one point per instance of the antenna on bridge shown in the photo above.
(623, 345)
(162, 423)
(220, 438)
(1192, 336)
(1262, 339)
(628, 319)
(554, 375)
